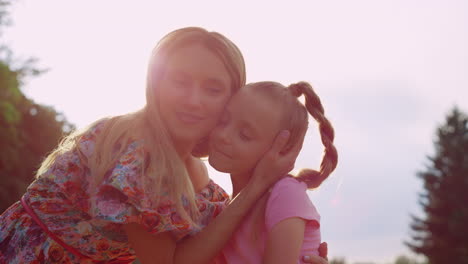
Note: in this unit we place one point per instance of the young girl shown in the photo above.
(284, 224)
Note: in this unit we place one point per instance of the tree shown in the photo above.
(338, 261)
(406, 260)
(442, 235)
(28, 131)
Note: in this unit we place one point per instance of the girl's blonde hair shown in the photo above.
(295, 119)
(162, 169)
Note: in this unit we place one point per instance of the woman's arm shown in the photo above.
(161, 248)
(202, 247)
(322, 258)
(284, 241)
(150, 248)
(205, 245)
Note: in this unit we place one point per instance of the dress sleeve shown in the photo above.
(288, 199)
(121, 198)
(88, 139)
(211, 200)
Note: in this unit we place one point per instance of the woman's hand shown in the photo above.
(276, 163)
(321, 259)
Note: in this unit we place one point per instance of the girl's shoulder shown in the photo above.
(288, 192)
(288, 183)
(289, 199)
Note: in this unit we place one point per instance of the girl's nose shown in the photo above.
(223, 134)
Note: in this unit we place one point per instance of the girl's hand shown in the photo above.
(276, 163)
(321, 259)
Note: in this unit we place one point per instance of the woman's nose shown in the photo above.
(193, 98)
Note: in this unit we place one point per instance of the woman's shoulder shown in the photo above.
(89, 138)
(213, 192)
(94, 129)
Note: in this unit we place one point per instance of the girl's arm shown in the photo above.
(205, 245)
(284, 241)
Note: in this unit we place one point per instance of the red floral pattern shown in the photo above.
(92, 224)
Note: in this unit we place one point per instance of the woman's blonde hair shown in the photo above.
(162, 169)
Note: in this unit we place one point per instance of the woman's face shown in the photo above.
(193, 92)
(245, 132)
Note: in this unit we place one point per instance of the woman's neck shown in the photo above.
(197, 172)
(239, 181)
(184, 149)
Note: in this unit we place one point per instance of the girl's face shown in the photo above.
(245, 132)
(193, 92)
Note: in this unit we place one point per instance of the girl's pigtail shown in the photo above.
(313, 178)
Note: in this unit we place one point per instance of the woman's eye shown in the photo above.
(180, 81)
(213, 90)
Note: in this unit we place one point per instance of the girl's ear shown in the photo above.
(294, 144)
(281, 141)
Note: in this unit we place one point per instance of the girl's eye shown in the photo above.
(244, 136)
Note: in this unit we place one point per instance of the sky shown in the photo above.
(388, 72)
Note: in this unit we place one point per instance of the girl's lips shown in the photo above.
(189, 118)
(221, 152)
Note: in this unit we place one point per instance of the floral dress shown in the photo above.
(60, 198)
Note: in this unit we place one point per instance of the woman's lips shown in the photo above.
(189, 118)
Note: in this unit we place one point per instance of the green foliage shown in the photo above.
(441, 235)
(28, 131)
(4, 18)
(407, 260)
(337, 261)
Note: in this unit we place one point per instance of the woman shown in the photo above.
(132, 185)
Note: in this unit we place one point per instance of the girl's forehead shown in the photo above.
(247, 97)
(255, 108)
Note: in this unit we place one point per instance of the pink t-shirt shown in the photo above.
(288, 198)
